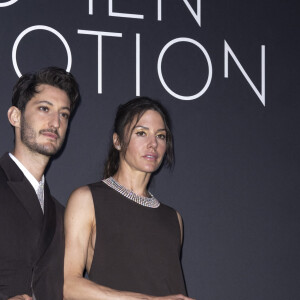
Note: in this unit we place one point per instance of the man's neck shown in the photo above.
(34, 162)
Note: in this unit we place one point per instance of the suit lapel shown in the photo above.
(26, 194)
(49, 223)
(22, 188)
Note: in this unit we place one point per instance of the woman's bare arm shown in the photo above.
(180, 225)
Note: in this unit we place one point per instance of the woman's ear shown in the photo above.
(14, 116)
(116, 142)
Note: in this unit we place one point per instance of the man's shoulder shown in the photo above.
(2, 175)
(9, 170)
(3, 162)
(5, 169)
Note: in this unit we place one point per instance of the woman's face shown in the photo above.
(147, 145)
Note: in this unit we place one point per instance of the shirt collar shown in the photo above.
(27, 174)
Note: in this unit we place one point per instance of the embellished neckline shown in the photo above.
(151, 202)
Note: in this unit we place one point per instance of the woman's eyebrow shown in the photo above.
(144, 127)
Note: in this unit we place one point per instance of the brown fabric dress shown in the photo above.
(137, 248)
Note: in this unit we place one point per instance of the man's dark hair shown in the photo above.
(131, 111)
(26, 87)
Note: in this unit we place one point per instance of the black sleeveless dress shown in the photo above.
(137, 248)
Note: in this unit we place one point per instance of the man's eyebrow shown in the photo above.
(44, 101)
(51, 104)
(66, 107)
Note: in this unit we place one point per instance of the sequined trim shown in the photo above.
(151, 202)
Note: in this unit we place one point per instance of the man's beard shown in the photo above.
(29, 137)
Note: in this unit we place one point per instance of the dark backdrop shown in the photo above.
(236, 179)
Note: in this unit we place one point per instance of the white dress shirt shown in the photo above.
(36, 184)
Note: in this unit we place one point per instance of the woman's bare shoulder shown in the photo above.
(80, 199)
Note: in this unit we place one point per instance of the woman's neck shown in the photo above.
(134, 181)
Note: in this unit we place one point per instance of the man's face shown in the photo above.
(44, 121)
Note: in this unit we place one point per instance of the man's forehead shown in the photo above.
(51, 95)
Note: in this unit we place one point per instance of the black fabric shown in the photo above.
(32, 244)
(137, 248)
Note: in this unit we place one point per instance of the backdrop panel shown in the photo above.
(228, 73)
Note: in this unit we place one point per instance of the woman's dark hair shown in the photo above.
(126, 114)
(26, 87)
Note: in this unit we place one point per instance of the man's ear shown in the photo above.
(116, 142)
(14, 116)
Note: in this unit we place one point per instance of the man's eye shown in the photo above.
(65, 116)
(43, 108)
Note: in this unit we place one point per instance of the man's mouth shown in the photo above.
(52, 134)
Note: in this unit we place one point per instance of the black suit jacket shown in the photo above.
(31, 243)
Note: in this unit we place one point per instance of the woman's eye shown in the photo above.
(161, 136)
(140, 133)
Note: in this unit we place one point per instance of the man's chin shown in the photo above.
(48, 150)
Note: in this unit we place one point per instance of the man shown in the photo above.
(31, 220)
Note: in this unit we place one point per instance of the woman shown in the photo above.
(127, 240)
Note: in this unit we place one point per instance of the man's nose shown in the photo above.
(54, 120)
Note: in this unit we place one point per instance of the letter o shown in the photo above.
(161, 55)
(39, 27)
(8, 3)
